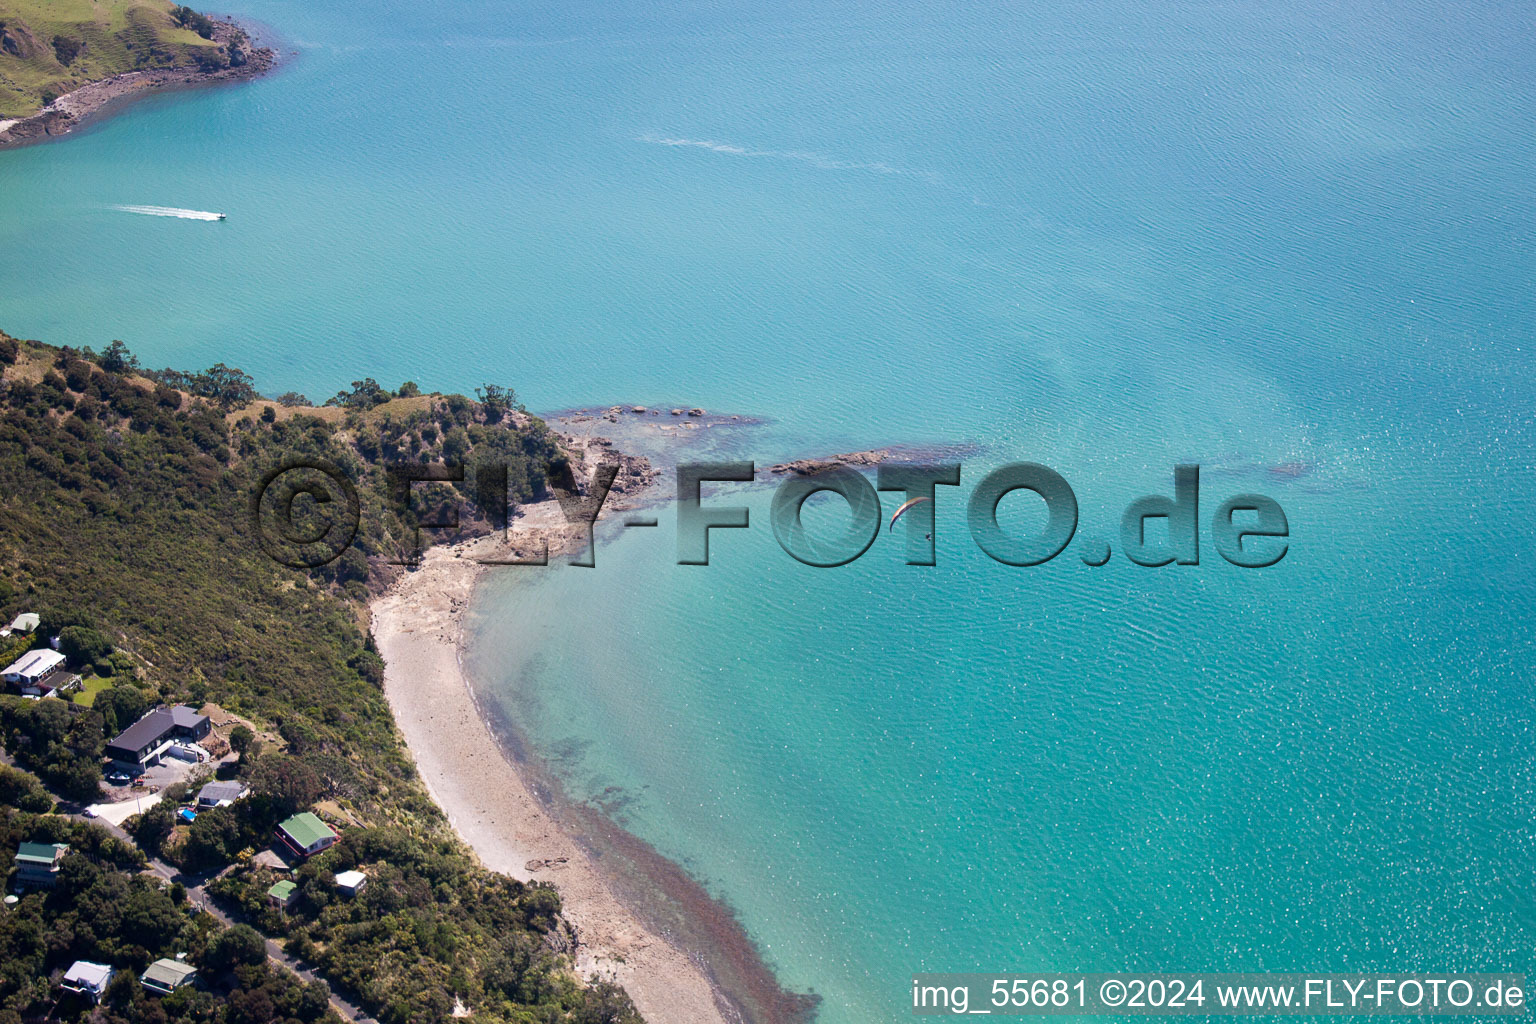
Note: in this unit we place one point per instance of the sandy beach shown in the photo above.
(417, 627)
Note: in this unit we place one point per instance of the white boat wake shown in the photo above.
(170, 211)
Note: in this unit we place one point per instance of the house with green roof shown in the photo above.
(281, 894)
(37, 864)
(305, 835)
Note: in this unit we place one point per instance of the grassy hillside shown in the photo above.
(49, 47)
(124, 523)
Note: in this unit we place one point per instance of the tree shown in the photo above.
(542, 904)
(240, 739)
(55, 618)
(126, 701)
(239, 945)
(289, 782)
(198, 22)
(606, 1003)
(117, 359)
(150, 917)
(66, 49)
(18, 789)
(498, 401)
(228, 386)
(154, 826)
(83, 645)
(365, 394)
(213, 838)
(78, 778)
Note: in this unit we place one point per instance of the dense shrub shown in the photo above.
(83, 645)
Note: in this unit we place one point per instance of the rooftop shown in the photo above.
(351, 879)
(216, 791)
(184, 717)
(40, 853)
(168, 974)
(282, 890)
(26, 622)
(34, 663)
(155, 725)
(306, 830)
(83, 973)
(145, 731)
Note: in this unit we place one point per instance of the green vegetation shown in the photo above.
(86, 695)
(186, 17)
(104, 911)
(64, 748)
(516, 928)
(49, 47)
(126, 520)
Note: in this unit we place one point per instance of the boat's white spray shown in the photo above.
(170, 211)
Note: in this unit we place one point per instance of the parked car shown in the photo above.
(118, 778)
(89, 812)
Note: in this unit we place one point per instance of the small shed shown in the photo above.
(351, 883)
(281, 894)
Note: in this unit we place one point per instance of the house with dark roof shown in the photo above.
(37, 864)
(305, 835)
(220, 794)
(143, 742)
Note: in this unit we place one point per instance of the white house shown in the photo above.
(88, 979)
(32, 666)
(39, 673)
(350, 883)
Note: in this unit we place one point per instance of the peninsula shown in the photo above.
(61, 62)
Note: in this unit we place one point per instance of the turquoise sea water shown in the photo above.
(1106, 237)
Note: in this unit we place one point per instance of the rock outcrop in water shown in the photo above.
(873, 457)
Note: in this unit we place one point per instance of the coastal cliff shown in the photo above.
(59, 64)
